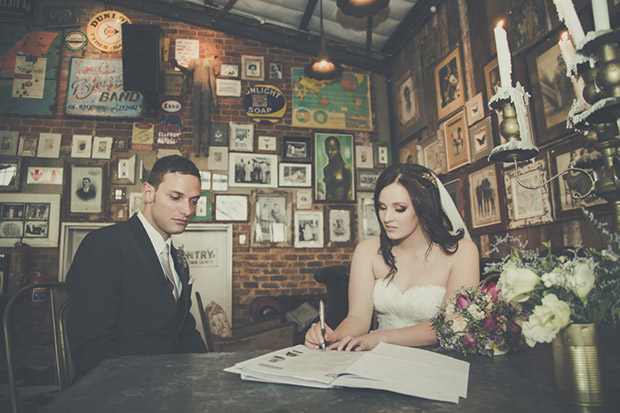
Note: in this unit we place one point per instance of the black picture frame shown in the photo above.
(296, 149)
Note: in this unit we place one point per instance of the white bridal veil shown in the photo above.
(447, 203)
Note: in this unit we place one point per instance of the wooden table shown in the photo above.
(196, 383)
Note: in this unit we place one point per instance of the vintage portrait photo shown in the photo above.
(253, 67)
(241, 137)
(275, 70)
(27, 146)
(296, 149)
(272, 218)
(457, 141)
(407, 101)
(86, 190)
(304, 198)
(295, 175)
(81, 146)
(308, 229)
(364, 156)
(449, 84)
(484, 197)
(102, 147)
(367, 179)
(253, 170)
(218, 158)
(9, 141)
(339, 225)
(49, 145)
(219, 135)
(334, 177)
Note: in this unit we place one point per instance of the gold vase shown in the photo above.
(578, 364)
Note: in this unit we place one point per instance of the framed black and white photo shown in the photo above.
(81, 146)
(252, 67)
(9, 140)
(308, 229)
(102, 147)
(228, 87)
(203, 208)
(267, 144)
(219, 182)
(253, 170)
(49, 145)
(303, 198)
(218, 158)
(339, 225)
(449, 81)
(364, 156)
(367, 179)
(27, 146)
(10, 171)
(124, 171)
(275, 71)
(219, 135)
(296, 149)
(33, 219)
(271, 219)
(86, 185)
(241, 137)
(136, 203)
(228, 70)
(368, 224)
(295, 175)
(231, 207)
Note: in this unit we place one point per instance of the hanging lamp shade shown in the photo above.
(362, 8)
(323, 68)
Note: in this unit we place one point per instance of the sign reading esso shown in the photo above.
(171, 105)
(264, 103)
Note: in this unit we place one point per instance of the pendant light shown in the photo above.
(323, 68)
(362, 8)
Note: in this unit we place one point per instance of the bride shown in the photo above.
(407, 271)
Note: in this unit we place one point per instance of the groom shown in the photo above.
(125, 297)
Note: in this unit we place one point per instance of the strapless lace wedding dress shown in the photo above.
(397, 309)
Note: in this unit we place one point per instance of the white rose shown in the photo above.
(549, 279)
(582, 281)
(546, 320)
(475, 311)
(516, 283)
(449, 309)
(459, 325)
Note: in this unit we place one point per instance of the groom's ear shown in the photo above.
(148, 192)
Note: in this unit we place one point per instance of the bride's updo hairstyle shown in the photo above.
(421, 185)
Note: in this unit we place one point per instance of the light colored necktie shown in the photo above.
(165, 259)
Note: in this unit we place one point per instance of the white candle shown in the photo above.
(601, 15)
(567, 49)
(503, 55)
(567, 14)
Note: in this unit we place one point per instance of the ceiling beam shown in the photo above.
(303, 43)
(410, 24)
(369, 35)
(305, 20)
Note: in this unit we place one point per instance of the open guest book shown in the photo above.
(406, 370)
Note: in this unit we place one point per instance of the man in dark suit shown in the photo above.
(125, 297)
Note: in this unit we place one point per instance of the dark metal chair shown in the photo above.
(58, 298)
(336, 280)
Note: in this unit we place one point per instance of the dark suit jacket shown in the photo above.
(120, 301)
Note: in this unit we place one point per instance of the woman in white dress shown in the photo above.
(421, 257)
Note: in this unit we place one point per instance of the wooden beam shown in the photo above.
(305, 20)
(410, 24)
(369, 35)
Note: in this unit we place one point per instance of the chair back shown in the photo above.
(58, 299)
(336, 280)
(205, 323)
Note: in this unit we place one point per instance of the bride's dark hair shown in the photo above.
(421, 185)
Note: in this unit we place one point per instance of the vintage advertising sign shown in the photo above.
(104, 30)
(142, 136)
(264, 103)
(24, 10)
(95, 88)
(170, 127)
(75, 40)
(29, 77)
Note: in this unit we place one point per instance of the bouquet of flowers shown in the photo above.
(477, 321)
(581, 286)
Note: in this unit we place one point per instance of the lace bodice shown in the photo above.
(397, 309)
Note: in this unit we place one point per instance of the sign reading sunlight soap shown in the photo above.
(264, 103)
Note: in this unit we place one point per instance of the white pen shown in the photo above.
(322, 321)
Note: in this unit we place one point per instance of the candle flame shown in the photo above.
(565, 36)
(500, 24)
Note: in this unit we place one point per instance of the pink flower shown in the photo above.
(469, 340)
(491, 290)
(515, 329)
(490, 325)
(463, 302)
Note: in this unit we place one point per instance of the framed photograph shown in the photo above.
(252, 67)
(368, 224)
(449, 84)
(253, 170)
(364, 156)
(81, 146)
(295, 175)
(308, 229)
(454, 185)
(27, 146)
(174, 84)
(119, 212)
(241, 137)
(49, 145)
(124, 171)
(267, 144)
(231, 207)
(203, 208)
(434, 151)
(383, 154)
(118, 194)
(296, 149)
(218, 158)
(552, 91)
(271, 219)
(303, 198)
(367, 179)
(86, 191)
(275, 71)
(528, 207)
(121, 144)
(9, 141)
(457, 141)
(228, 70)
(205, 180)
(219, 182)
(407, 100)
(486, 201)
(334, 177)
(573, 182)
(339, 226)
(411, 152)
(10, 173)
(228, 88)
(136, 203)
(102, 147)
(528, 22)
(33, 219)
(481, 139)
(492, 81)
(219, 135)
(474, 108)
